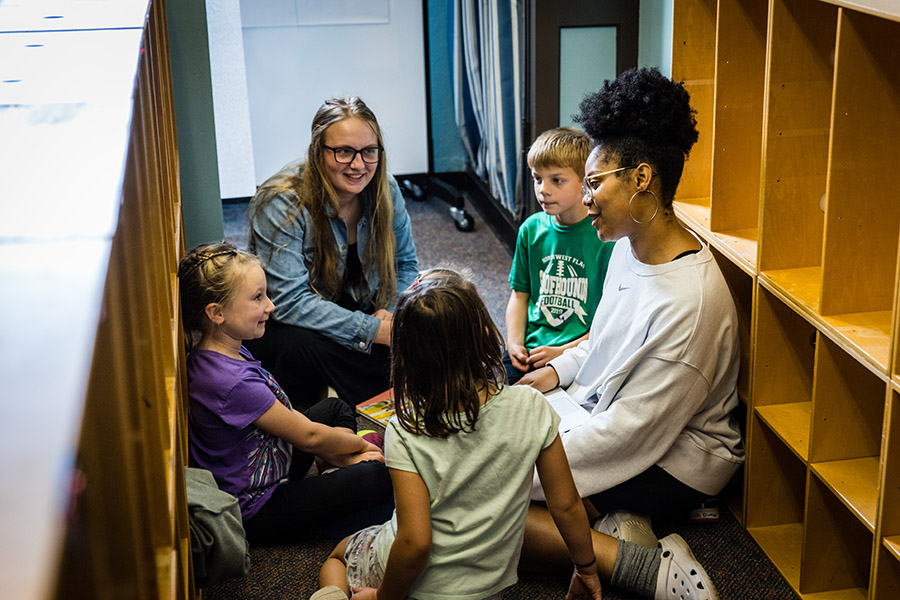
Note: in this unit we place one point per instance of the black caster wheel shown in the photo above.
(412, 190)
(462, 219)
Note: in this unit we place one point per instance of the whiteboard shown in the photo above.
(292, 68)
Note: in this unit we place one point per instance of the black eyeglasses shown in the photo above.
(346, 155)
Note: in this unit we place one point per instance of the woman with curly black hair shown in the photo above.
(659, 370)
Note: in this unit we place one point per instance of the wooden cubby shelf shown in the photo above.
(790, 422)
(791, 183)
(892, 544)
(854, 482)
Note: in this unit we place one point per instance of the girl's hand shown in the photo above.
(584, 586)
(541, 355)
(364, 594)
(345, 460)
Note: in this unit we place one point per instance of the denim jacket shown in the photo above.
(288, 255)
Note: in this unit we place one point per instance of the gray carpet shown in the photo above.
(738, 567)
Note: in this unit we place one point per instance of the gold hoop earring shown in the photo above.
(655, 212)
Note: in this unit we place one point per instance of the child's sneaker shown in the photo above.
(707, 513)
(627, 526)
(329, 592)
(680, 575)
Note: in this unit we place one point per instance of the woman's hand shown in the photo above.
(543, 379)
(583, 586)
(383, 336)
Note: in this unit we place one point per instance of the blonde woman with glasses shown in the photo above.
(336, 244)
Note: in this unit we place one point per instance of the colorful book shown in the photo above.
(378, 409)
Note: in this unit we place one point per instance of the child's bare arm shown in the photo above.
(568, 513)
(412, 546)
(516, 322)
(338, 446)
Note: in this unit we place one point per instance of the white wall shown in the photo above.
(237, 178)
(292, 69)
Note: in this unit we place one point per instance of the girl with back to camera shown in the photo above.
(336, 244)
(461, 450)
(241, 426)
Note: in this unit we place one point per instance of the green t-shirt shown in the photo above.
(562, 269)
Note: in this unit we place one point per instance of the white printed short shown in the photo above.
(363, 567)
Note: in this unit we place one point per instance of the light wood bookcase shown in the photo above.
(793, 183)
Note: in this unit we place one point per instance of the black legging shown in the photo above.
(304, 361)
(654, 492)
(337, 503)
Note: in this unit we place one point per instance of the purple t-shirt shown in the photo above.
(226, 396)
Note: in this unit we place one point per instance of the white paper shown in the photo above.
(572, 413)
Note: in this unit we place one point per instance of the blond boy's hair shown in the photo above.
(560, 147)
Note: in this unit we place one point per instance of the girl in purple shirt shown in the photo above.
(241, 424)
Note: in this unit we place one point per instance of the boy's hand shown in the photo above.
(543, 379)
(541, 355)
(518, 355)
(364, 594)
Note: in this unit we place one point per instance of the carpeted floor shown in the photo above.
(736, 564)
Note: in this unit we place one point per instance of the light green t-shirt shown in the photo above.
(562, 269)
(479, 483)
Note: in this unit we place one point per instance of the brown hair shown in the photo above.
(445, 353)
(308, 187)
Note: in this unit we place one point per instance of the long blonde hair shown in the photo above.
(308, 187)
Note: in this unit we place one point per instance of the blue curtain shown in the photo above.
(487, 89)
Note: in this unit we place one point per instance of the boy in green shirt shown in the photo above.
(560, 263)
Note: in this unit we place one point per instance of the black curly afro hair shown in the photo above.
(642, 116)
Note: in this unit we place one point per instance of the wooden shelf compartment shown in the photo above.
(738, 127)
(890, 483)
(846, 429)
(799, 85)
(741, 286)
(800, 286)
(738, 245)
(694, 63)
(855, 483)
(887, 571)
(837, 547)
(784, 356)
(790, 422)
(862, 223)
(892, 545)
(781, 544)
(865, 336)
(775, 479)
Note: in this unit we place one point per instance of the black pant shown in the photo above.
(304, 361)
(336, 504)
(654, 492)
